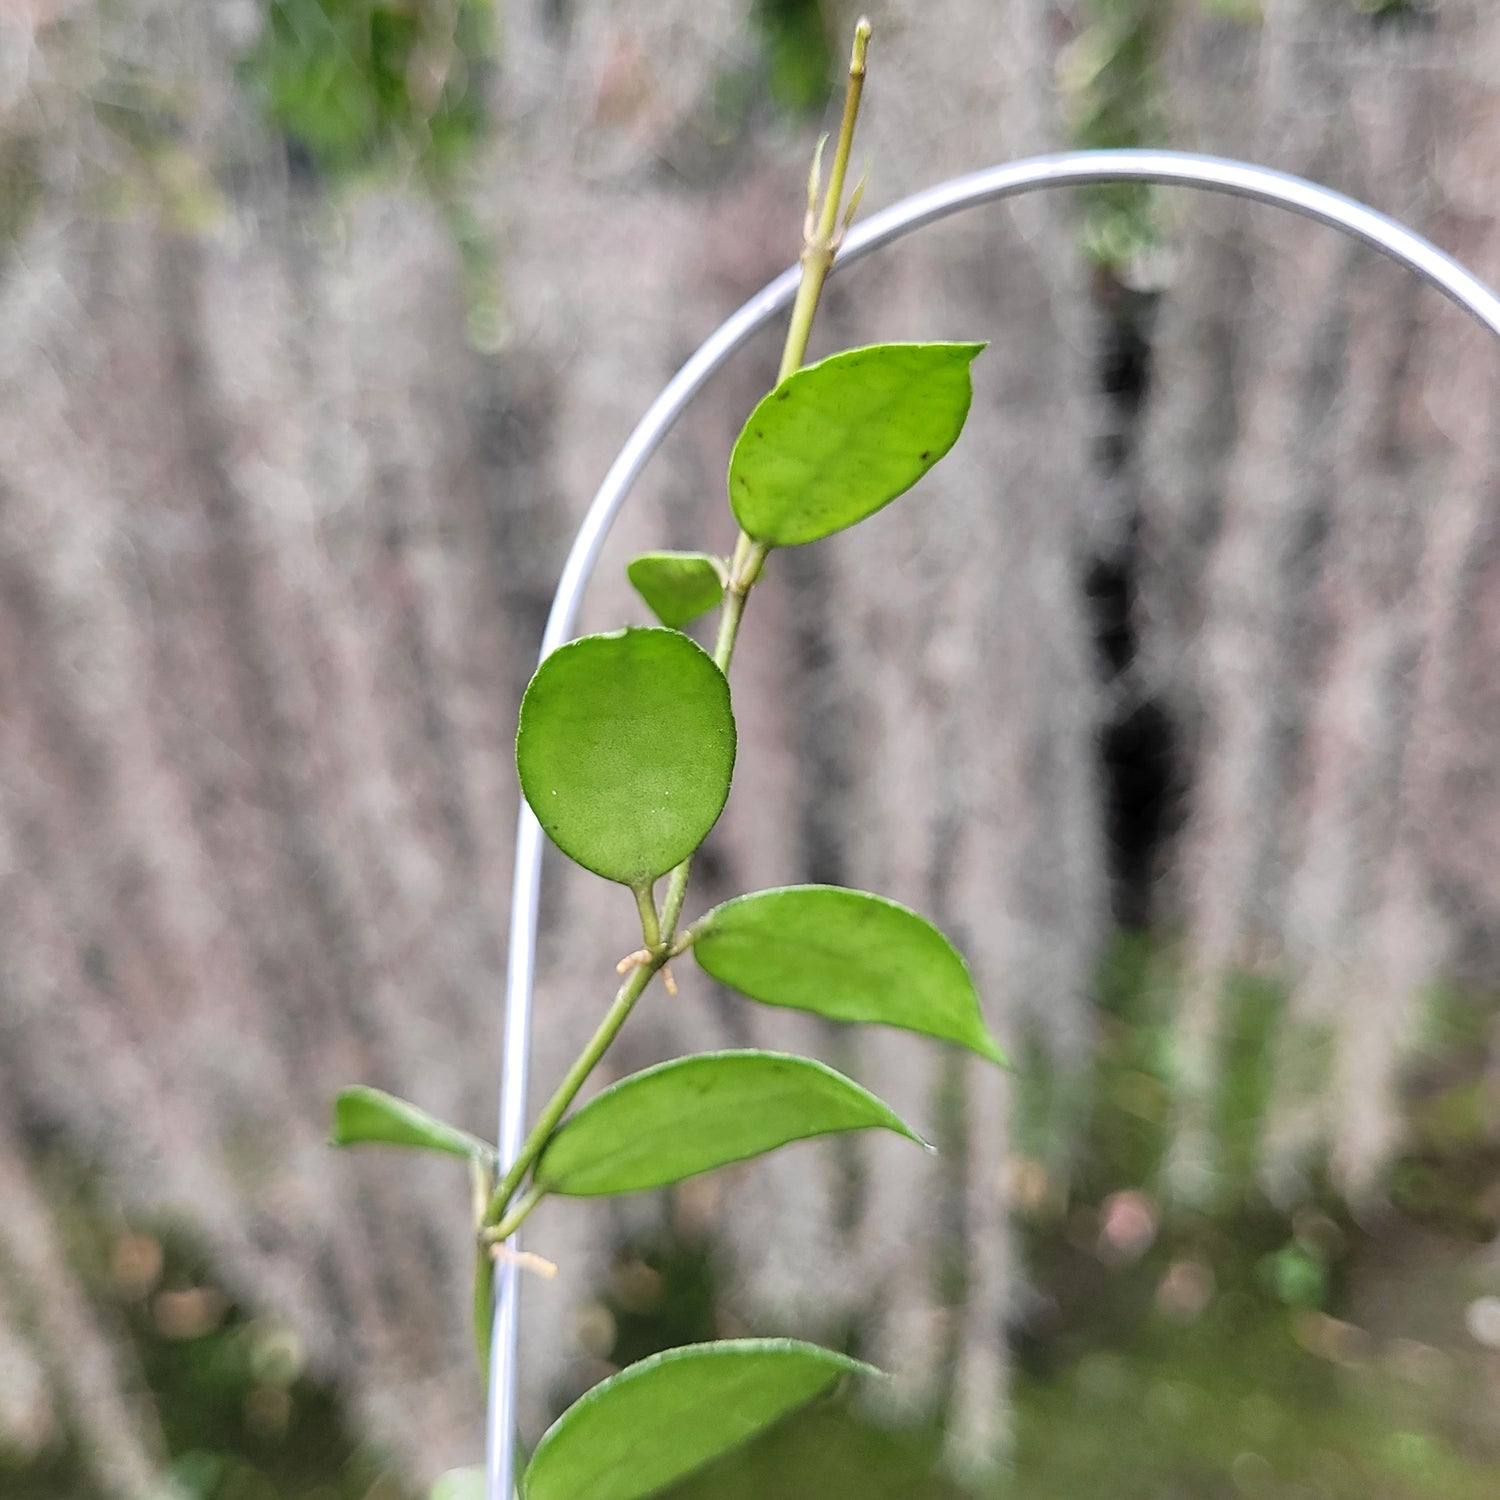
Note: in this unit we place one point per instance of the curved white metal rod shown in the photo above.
(1066, 169)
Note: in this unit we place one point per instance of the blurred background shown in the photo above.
(1173, 694)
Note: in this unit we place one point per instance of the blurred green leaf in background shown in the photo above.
(351, 83)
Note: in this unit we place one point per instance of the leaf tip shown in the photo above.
(991, 1051)
(901, 1128)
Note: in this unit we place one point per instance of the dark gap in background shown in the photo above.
(1137, 742)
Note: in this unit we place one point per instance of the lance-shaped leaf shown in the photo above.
(678, 586)
(658, 1420)
(365, 1115)
(460, 1484)
(625, 750)
(837, 440)
(697, 1113)
(846, 955)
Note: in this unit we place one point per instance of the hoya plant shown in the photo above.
(625, 752)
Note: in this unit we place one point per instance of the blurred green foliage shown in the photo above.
(1176, 1353)
(359, 88)
(241, 1415)
(1110, 82)
(796, 38)
(360, 84)
(356, 83)
(20, 184)
(362, 88)
(1167, 1352)
(1394, 10)
(1248, 11)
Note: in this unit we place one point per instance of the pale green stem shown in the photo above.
(567, 1090)
(822, 243)
(817, 259)
(484, 1308)
(484, 1273)
(745, 566)
(516, 1216)
(646, 904)
(748, 558)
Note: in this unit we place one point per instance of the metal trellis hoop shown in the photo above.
(1066, 169)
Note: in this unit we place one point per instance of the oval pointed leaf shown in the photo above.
(837, 440)
(625, 750)
(658, 1420)
(371, 1116)
(846, 955)
(678, 586)
(697, 1113)
(460, 1484)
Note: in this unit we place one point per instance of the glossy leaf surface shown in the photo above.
(697, 1113)
(837, 440)
(625, 750)
(365, 1115)
(655, 1421)
(846, 955)
(677, 586)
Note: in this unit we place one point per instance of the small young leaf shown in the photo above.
(460, 1484)
(846, 955)
(625, 750)
(697, 1113)
(364, 1115)
(678, 586)
(837, 440)
(658, 1420)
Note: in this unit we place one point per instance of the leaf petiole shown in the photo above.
(645, 903)
(516, 1216)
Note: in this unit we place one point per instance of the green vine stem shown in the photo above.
(823, 235)
(567, 1090)
(824, 232)
(512, 1220)
(645, 903)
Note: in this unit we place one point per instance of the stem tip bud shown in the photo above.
(862, 32)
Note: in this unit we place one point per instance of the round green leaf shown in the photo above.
(836, 441)
(846, 955)
(460, 1484)
(655, 1421)
(625, 750)
(365, 1115)
(697, 1113)
(678, 586)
